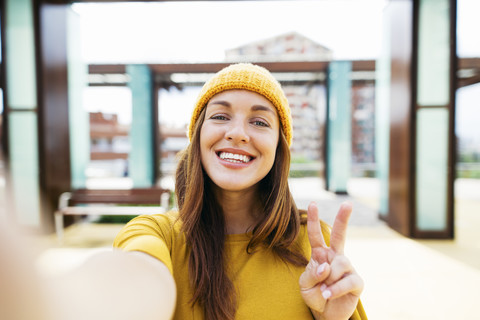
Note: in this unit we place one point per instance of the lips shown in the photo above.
(234, 157)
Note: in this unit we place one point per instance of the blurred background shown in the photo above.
(97, 95)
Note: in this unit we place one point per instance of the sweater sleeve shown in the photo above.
(359, 313)
(150, 234)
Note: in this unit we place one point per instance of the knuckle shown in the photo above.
(342, 264)
(343, 261)
(311, 266)
(308, 276)
(351, 283)
(359, 283)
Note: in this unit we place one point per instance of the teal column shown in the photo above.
(21, 110)
(339, 126)
(78, 117)
(434, 123)
(382, 119)
(141, 159)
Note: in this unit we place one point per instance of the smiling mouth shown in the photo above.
(234, 158)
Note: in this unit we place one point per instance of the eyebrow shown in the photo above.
(259, 107)
(221, 102)
(256, 107)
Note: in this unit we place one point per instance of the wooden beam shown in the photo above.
(106, 68)
(53, 122)
(468, 63)
(286, 66)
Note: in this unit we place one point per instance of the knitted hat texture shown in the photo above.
(250, 77)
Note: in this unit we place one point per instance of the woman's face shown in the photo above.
(238, 139)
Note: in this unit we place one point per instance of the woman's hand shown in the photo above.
(330, 285)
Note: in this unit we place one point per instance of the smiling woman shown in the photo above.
(238, 139)
(238, 247)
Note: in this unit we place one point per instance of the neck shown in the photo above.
(239, 209)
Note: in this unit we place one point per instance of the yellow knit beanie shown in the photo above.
(248, 77)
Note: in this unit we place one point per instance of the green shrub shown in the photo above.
(115, 219)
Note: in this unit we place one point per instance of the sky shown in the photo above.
(201, 31)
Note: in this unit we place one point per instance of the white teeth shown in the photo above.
(233, 157)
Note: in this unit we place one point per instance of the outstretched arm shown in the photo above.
(115, 285)
(109, 285)
(330, 285)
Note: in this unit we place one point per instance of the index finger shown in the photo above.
(314, 229)
(339, 229)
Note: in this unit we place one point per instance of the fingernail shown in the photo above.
(326, 294)
(347, 204)
(323, 287)
(321, 268)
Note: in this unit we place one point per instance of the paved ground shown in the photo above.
(363, 194)
(405, 279)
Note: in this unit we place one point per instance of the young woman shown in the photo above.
(238, 248)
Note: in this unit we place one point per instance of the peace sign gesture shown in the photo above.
(330, 285)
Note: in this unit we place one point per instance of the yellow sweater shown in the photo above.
(266, 287)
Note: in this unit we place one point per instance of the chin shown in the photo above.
(234, 186)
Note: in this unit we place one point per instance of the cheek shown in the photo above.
(202, 138)
(208, 136)
(204, 143)
(269, 145)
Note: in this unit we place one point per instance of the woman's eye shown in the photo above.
(260, 123)
(218, 117)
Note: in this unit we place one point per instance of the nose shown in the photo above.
(237, 133)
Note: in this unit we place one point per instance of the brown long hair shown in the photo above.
(199, 212)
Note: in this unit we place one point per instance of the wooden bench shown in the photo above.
(81, 202)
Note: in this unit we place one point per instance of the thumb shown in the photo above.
(314, 274)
